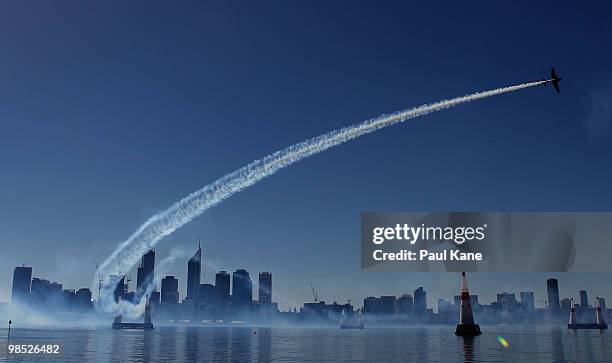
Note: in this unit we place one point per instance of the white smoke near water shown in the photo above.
(164, 223)
(134, 309)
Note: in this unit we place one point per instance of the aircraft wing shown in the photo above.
(555, 79)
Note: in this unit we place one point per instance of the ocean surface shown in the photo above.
(289, 344)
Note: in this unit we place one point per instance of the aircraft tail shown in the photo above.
(555, 79)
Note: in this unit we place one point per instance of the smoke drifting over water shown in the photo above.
(166, 222)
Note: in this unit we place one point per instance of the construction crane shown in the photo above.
(315, 295)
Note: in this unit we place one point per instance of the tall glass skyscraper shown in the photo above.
(194, 271)
(265, 288)
(420, 300)
(169, 290)
(222, 284)
(584, 300)
(242, 289)
(146, 271)
(552, 288)
(22, 280)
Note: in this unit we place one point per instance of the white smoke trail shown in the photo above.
(166, 222)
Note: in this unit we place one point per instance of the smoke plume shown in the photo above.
(183, 211)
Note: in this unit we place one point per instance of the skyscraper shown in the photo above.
(146, 271)
(222, 284)
(41, 290)
(169, 290)
(388, 305)
(265, 288)
(528, 300)
(83, 298)
(405, 304)
(371, 305)
(207, 294)
(420, 300)
(566, 304)
(242, 289)
(194, 271)
(120, 286)
(584, 300)
(506, 299)
(552, 288)
(22, 280)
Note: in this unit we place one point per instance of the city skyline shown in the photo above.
(215, 303)
(242, 289)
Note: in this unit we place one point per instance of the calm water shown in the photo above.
(242, 344)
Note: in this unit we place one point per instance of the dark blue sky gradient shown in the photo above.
(111, 112)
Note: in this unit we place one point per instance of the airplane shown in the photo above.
(554, 79)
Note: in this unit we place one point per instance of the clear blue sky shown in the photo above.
(110, 112)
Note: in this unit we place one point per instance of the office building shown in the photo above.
(222, 284)
(552, 289)
(194, 272)
(566, 304)
(388, 305)
(506, 299)
(22, 280)
(420, 300)
(120, 286)
(169, 290)
(371, 305)
(146, 272)
(584, 300)
(82, 299)
(528, 300)
(405, 304)
(242, 289)
(265, 288)
(43, 290)
(207, 294)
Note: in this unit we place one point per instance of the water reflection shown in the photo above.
(220, 344)
(192, 344)
(422, 341)
(167, 343)
(264, 344)
(241, 344)
(468, 349)
(116, 347)
(527, 340)
(147, 344)
(587, 343)
(603, 345)
(558, 351)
